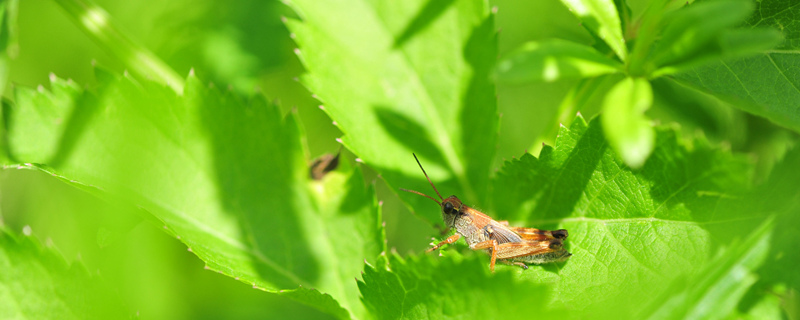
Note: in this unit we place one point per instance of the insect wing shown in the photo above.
(528, 249)
(501, 233)
(538, 234)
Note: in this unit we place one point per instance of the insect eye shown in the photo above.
(448, 207)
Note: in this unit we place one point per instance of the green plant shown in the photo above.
(663, 223)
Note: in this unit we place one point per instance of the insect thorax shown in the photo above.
(468, 230)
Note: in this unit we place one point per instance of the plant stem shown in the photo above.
(141, 62)
(645, 37)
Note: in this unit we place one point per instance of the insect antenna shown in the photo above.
(429, 181)
(426, 177)
(422, 194)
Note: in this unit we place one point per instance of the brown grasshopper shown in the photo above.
(510, 245)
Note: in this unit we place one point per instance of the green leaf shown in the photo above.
(729, 44)
(627, 129)
(52, 111)
(9, 45)
(554, 60)
(631, 232)
(695, 110)
(396, 86)
(227, 177)
(37, 283)
(769, 307)
(450, 287)
(765, 84)
(600, 17)
(692, 28)
(715, 291)
(779, 14)
(781, 194)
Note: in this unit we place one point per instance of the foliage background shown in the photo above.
(242, 45)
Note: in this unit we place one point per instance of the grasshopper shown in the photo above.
(509, 245)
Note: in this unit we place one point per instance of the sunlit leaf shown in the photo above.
(397, 85)
(631, 232)
(228, 178)
(37, 283)
(601, 18)
(554, 60)
(451, 287)
(627, 129)
(714, 291)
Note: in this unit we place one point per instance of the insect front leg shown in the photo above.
(449, 240)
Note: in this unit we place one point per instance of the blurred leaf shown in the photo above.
(154, 275)
(451, 287)
(431, 96)
(630, 232)
(600, 17)
(9, 45)
(695, 110)
(691, 29)
(98, 25)
(714, 292)
(769, 307)
(626, 128)
(586, 96)
(52, 111)
(728, 44)
(227, 177)
(554, 60)
(37, 283)
(765, 84)
(781, 194)
(740, 42)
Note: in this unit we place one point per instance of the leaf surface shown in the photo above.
(767, 83)
(781, 195)
(601, 18)
(37, 283)
(631, 232)
(714, 292)
(450, 287)
(227, 177)
(403, 77)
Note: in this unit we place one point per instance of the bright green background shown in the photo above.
(692, 210)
